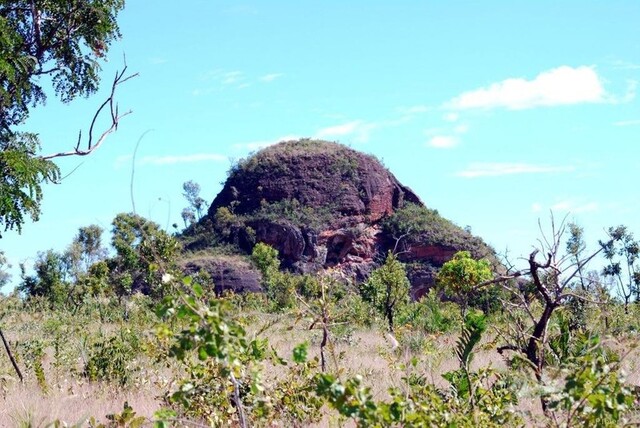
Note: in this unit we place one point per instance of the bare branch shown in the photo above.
(115, 119)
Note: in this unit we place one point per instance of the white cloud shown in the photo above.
(536, 207)
(633, 122)
(122, 160)
(417, 109)
(359, 129)
(231, 77)
(497, 169)
(443, 142)
(451, 117)
(461, 129)
(176, 159)
(157, 60)
(257, 145)
(573, 206)
(559, 86)
(271, 77)
(338, 130)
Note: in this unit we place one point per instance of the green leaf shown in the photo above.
(300, 353)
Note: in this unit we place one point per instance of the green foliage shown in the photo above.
(43, 39)
(413, 223)
(297, 213)
(593, 391)
(125, 419)
(52, 40)
(85, 250)
(265, 257)
(33, 354)
(280, 287)
(622, 253)
(142, 248)
(461, 277)
(4, 275)
(271, 158)
(197, 205)
(225, 222)
(110, 359)
(429, 315)
(22, 177)
(422, 404)
(48, 281)
(218, 358)
(387, 288)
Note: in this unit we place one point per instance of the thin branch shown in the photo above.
(115, 119)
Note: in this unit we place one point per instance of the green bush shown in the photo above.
(110, 359)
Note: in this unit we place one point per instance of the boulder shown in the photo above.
(232, 273)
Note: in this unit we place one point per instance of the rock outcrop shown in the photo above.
(228, 273)
(319, 175)
(321, 204)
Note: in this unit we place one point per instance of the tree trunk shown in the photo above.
(533, 351)
(13, 361)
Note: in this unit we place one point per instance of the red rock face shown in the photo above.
(318, 175)
(437, 255)
(320, 205)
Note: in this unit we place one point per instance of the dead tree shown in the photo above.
(552, 280)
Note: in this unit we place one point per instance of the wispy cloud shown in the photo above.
(411, 110)
(573, 206)
(625, 65)
(338, 130)
(231, 77)
(359, 129)
(567, 206)
(270, 77)
(559, 86)
(632, 122)
(180, 159)
(451, 117)
(257, 145)
(157, 60)
(122, 160)
(476, 170)
(443, 142)
(219, 80)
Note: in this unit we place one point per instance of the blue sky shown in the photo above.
(494, 113)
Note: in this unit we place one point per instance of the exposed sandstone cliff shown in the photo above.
(322, 204)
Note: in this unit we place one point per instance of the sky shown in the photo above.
(495, 113)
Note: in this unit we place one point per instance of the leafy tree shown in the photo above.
(22, 176)
(387, 288)
(622, 253)
(85, 250)
(197, 205)
(265, 257)
(575, 249)
(144, 252)
(49, 279)
(188, 217)
(280, 287)
(461, 277)
(61, 40)
(4, 275)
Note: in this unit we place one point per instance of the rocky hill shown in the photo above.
(322, 204)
